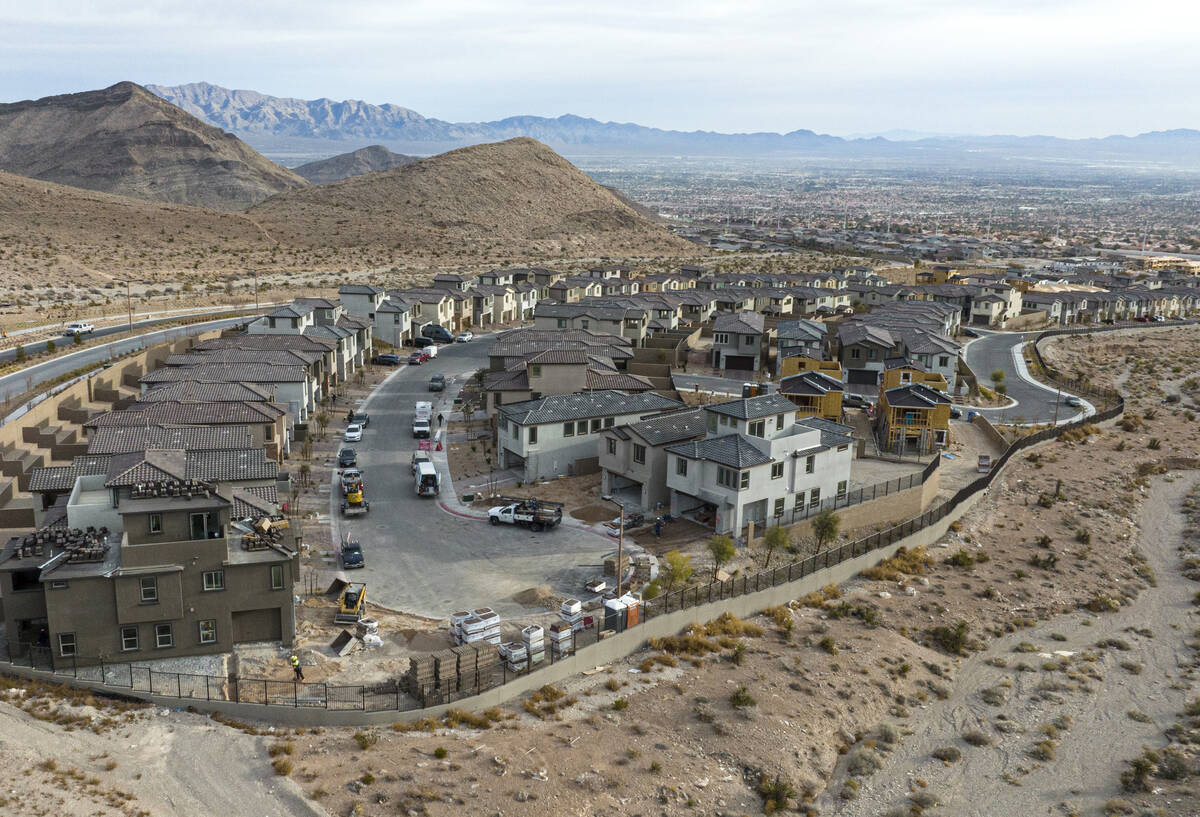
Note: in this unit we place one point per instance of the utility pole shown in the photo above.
(620, 549)
(255, 274)
(129, 305)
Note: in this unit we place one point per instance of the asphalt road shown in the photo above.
(25, 379)
(1035, 403)
(423, 559)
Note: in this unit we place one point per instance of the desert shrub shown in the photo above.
(951, 639)
(828, 645)
(1043, 750)
(620, 704)
(905, 563)
(365, 740)
(965, 558)
(976, 738)
(947, 754)
(775, 793)
(741, 698)
(282, 766)
(863, 762)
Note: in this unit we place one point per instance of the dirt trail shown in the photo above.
(1005, 778)
(175, 763)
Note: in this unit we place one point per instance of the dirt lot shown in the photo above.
(1055, 620)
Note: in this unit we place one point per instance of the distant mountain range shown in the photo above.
(283, 127)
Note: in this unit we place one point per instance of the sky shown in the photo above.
(1065, 68)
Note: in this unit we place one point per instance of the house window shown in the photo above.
(745, 481)
(129, 639)
(779, 423)
(568, 429)
(149, 585)
(198, 523)
(164, 636)
(810, 463)
(155, 522)
(562, 323)
(639, 453)
(581, 427)
(814, 497)
(503, 420)
(758, 428)
(535, 370)
(516, 429)
(720, 337)
(779, 507)
(66, 644)
(943, 361)
(595, 425)
(276, 577)
(269, 432)
(271, 322)
(724, 420)
(870, 354)
(208, 631)
(855, 354)
(843, 447)
(725, 477)
(841, 489)
(940, 436)
(612, 446)
(776, 470)
(58, 584)
(533, 435)
(214, 580)
(747, 339)
(585, 323)
(609, 422)
(905, 377)
(681, 466)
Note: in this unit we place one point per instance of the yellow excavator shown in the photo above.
(351, 604)
(355, 502)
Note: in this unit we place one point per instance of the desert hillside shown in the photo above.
(370, 159)
(127, 141)
(517, 196)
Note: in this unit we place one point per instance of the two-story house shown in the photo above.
(757, 463)
(738, 341)
(633, 457)
(913, 418)
(553, 435)
(815, 394)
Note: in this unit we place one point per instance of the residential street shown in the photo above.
(1035, 403)
(427, 560)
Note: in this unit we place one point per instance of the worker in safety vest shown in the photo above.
(296, 668)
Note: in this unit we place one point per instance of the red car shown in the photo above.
(417, 358)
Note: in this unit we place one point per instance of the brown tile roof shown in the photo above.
(597, 380)
(168, 412)
(195, 391)
(128, 439)
(267, 341)
(125, 470)
(257, 373)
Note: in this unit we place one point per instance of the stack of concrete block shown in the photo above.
(645, 567)
(515, 655)
(534, 639)
(466, 667)
(562, 639)
(487, 666)
(456, 622)
(446, 664)
(421, 676)
(572, 613)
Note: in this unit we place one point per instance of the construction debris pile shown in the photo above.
(89, 545)
(264, 533)
(186, 488)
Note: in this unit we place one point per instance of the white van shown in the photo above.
(427, 481)
(431, 350)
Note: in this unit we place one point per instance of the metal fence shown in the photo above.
(867, 493)
(395, 696)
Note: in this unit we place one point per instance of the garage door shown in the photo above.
(257, 625)
(862, 377)
(740, 362)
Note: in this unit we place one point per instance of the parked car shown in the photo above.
(347, 458)
(387, 359)
(437, 382)
(955, 414)
(79, 329)
(419, 457)
(1158, 318)
(464, 337)
(970, 332)
(417, 358)
(1073, 401)
(360, 417)
(421, 343)
(352, 554)
(353, 433)
(855, 401)
(438, 334)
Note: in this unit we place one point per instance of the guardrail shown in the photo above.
(396, 696)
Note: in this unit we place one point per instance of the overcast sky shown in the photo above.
(1061, 67)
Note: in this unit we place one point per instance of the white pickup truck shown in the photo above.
(533, 514)
(77, 328)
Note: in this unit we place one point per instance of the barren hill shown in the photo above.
(126, 140)
(356, 163)
(514, 197)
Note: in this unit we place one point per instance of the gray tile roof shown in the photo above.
(194, 391)
(585, 336)
(742, 323)
(733, 450)
(257, 373)
(751, 408)
(169, 412)
(670, 428)
(801, 330)
(563, 407)
(598, 380)
(832, 434)
(211, 466)
(268, 341)
(915, 395)
(294, 310)
(276, 357)
(62, 478)
(577, 355)
(359, 289)
(809, 383)
(126, 439)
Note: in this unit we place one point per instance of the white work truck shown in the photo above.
(426, 480)
(531, 513)
(422, 417)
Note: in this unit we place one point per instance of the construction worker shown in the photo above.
(296, 668)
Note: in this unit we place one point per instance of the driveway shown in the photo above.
(1035, 403)
(425, 556)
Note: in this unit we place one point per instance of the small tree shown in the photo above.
(322, 419)
(468, 411)
(825, 526)
(776, 537)
(305, 472)
(674, 569)
(306, 448)
(997, 377)
(722, 549)
(52, 347)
